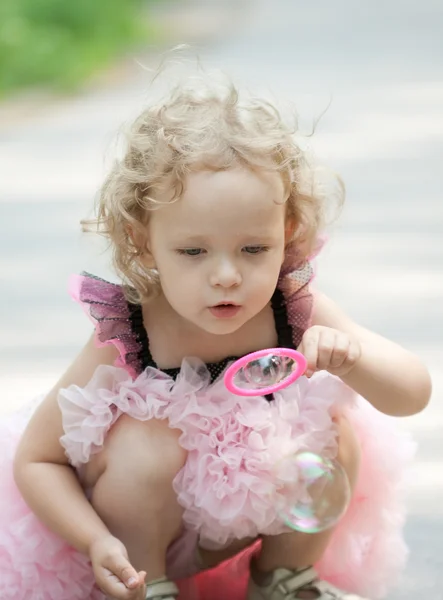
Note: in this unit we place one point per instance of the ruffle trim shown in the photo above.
(228, 486)
(367, 552)
(35, 564)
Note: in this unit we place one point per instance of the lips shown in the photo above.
(225, 310)
(226, 303)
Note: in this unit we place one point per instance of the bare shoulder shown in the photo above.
(326, 312)
(40, 442)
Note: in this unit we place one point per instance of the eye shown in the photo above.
(255, 249)
(190, 251)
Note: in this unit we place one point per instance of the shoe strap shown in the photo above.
(298, 580)
(309, 578)
(166, 590)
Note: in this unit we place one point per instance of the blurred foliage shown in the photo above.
(59, 43)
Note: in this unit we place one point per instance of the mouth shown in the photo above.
(226, 303)
(224, 310)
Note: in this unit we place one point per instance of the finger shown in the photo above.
(353, 354)
(326, 345)
(138, 593)
(340, 350)
(142, 579)
(113, 587)
(309, 349)
(120, 577)
(127, 574)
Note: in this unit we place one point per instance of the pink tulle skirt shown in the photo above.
(228, 487)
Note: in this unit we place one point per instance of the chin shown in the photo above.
(221, 328)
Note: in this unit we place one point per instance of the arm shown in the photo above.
(392, 379)
(42, 473)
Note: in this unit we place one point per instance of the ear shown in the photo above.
(140, 242)
(148, 259)
(290, 229)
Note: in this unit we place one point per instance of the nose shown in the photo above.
(225, 274)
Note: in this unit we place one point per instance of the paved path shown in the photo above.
(382, 66)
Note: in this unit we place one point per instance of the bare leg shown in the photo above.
(132, 490)
(297, 550)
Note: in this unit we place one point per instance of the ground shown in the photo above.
(379, 65)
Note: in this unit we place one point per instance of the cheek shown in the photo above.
(264, 278)
(168, 264)
(178, 280)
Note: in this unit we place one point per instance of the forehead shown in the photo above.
(224, 202)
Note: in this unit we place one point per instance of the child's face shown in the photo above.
(221, 242)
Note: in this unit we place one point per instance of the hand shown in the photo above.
(329, 350)
(113, 572)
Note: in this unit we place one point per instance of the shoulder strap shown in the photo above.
(298, 299)
(116, 321)
(295, 277)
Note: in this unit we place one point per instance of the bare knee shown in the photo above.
(349, 451)
(146, 443)
(138, 449)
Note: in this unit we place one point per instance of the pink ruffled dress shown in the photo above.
(228, 487)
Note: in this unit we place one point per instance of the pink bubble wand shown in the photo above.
(265, 371)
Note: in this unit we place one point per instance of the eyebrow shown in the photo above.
(189, 237)
(200, 239)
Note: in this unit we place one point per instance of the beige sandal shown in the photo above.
(284, 584)
(161, 590)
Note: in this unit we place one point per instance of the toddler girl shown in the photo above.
(140, 469)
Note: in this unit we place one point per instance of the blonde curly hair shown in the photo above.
(200, 126)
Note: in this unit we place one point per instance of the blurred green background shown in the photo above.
(60, 43)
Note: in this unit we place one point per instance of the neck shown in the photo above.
(172, 337)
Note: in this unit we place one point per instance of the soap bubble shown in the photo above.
(315, 492)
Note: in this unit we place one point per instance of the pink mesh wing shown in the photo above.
(112, 316)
